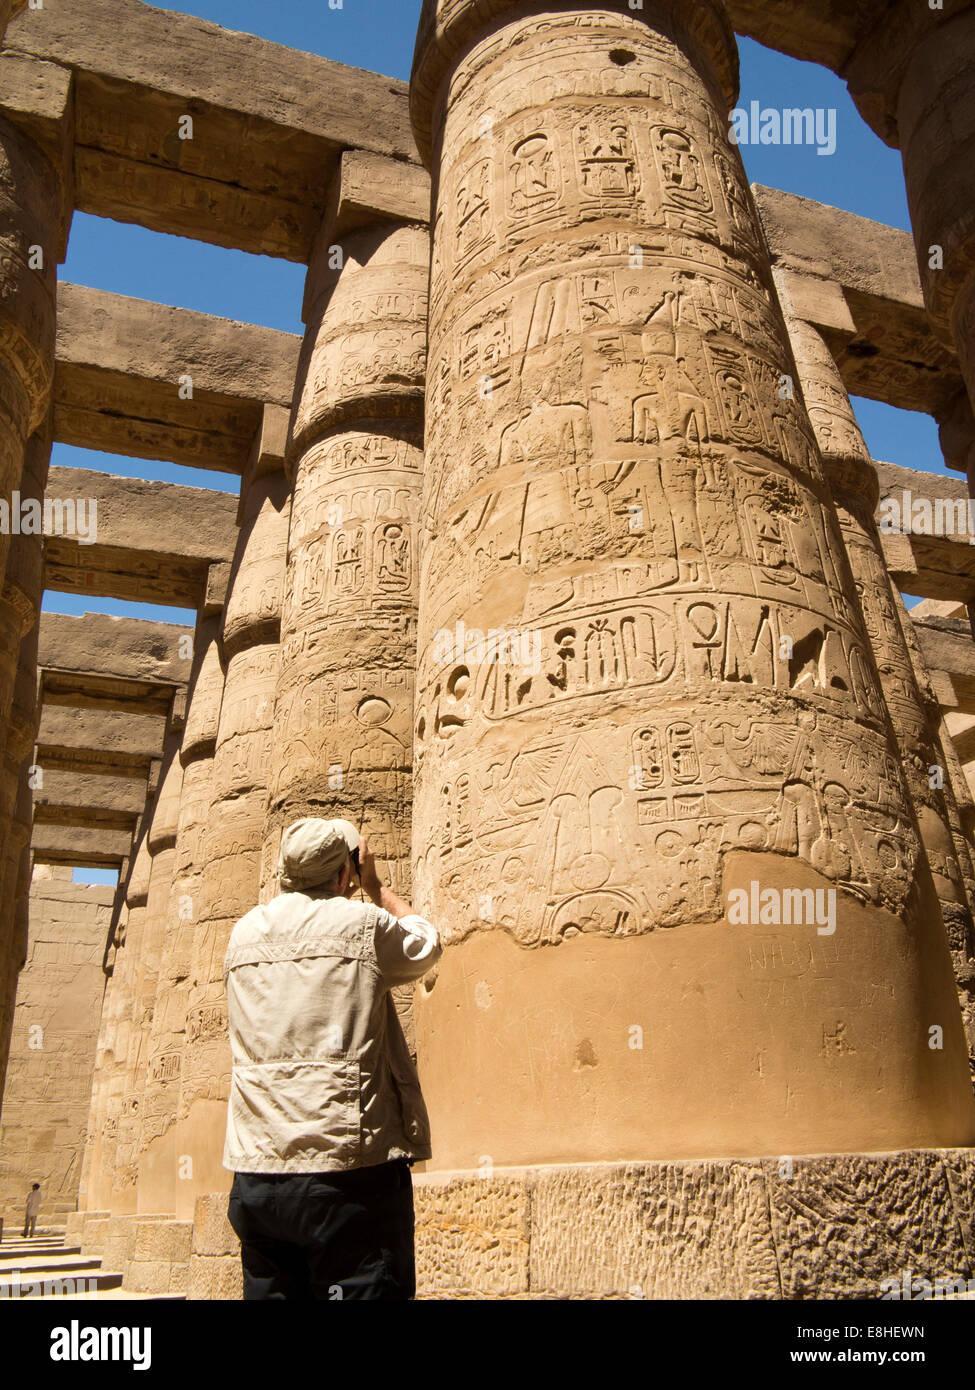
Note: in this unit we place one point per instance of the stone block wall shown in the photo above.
(59, 1000)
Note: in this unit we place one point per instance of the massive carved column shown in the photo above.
(685, 731)
(30, 209)
(855, 488)
(22, 592)
(161, 843)
(109, 1121)
(160, 1168)
(230, 881)
(343, 724)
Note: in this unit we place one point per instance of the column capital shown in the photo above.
(876, 70)
(448, 29)
(912, 80)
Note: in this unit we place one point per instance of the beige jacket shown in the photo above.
(322, 1078)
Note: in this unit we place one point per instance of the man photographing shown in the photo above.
(325, 1114)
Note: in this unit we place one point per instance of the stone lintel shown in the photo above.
(882, 342)
(269, 122)
(949, 653)
(90, 847)
(817, 31)
(961, 727)
(111, 649)
(85, 798)
(121, 363)
(155, 541)
(84, 739)
(936, 561)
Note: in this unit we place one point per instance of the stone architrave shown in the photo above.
(230, 881)
(856, 489)
(622, 825)
(159, 1158)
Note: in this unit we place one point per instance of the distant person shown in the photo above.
(325, 1116)
(33, 1207)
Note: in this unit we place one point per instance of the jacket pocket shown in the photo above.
(296, 1111)
(413, 1111)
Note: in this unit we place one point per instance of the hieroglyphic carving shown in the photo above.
(343, 721)
(613, 466)
(853, 478)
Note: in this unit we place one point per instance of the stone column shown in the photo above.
(108, 1116)
(231, 878)
(686, 732)
(853, 480)
(104, 1050)
(343, 742)
(160, 1150)
(23, 591)
(960, 812)
(913, 79)
(30, 210)
(161, 843)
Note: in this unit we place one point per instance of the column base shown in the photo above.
(828, 1226)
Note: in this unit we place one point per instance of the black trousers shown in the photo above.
(326, 1236)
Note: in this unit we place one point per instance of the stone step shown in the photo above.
(96, 1281)
(60, 1263)
(42, 1247)
(120, 1295)
(31, 1244)
(15, 1237)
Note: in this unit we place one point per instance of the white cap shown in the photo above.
(313, 851)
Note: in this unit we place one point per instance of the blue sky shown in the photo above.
(862, 176)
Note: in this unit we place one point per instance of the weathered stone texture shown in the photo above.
(214, 1271)
(276, 122)
(612, 472)
(123, 366)
(59, 1000)
(621, 643)
(833, 1226)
